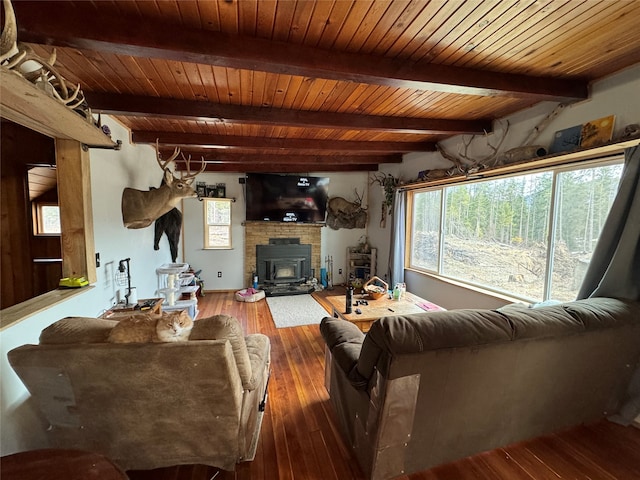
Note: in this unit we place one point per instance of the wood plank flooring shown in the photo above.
(300, 437)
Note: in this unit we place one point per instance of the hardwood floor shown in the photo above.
(300, 437)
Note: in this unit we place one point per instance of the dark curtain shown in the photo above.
(614, 270)
(398, 235)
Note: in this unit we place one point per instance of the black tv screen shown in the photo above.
(286, 198)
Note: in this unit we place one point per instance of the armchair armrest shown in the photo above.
(344, 340)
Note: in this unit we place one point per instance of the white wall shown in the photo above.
(616, 95)
(111, 172)
(231, 262)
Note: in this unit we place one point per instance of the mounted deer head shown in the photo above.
(141, 208)
(344, 214)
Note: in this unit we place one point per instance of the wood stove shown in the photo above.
(283, 266)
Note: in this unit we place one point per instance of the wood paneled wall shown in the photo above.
(20, 278)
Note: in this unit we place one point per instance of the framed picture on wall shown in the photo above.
(201, 189)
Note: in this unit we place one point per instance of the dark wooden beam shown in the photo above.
(214, 158)
(288, 168)
(143, 106)
(310, 145)
(70, 27)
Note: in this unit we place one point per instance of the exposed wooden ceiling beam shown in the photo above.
(288, 168)
(149, 38)
(303, 144)
(214, 158)
(114, 104)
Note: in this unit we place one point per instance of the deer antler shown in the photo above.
(9, 37)
(458, 166)
(190, 177)
(164, 164)
(359, 199)
(485, 161)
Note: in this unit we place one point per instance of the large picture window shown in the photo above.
(530, 236)
(217, 223)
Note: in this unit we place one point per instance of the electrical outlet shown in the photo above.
(219, 274)
(339, 271)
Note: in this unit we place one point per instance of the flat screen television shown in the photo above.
(286, 198)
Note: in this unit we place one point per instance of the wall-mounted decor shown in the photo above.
(201, 189)
(344, 214)
(216, 190)
(566, 140)
(388, 183)
(140, 208)
(597, 132)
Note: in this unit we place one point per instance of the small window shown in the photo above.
(46, 219)
(217, 223)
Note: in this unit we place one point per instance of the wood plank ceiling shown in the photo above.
(325, 85)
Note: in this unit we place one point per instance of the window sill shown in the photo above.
(484, 291)
(16, 313)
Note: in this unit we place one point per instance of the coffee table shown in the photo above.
(383, 307)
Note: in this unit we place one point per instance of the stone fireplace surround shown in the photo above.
(259, 233)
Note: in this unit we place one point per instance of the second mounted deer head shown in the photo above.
(140, 208)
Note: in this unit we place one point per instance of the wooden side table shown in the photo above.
(59, 464)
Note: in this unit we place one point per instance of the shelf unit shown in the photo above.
(609, 149)
(25, 104)
(360, 265)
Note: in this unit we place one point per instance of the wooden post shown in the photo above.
(76, 215)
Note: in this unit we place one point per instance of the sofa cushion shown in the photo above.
(437, 330)
(541, 322)
(77, 330)
(430, 331)
(226, 327)
(336, 331)
(596, 313)
(344, 340)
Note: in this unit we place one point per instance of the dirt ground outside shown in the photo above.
(513, 269)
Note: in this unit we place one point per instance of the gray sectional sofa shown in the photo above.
(420, 390)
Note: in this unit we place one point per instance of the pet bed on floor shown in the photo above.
(249, 295)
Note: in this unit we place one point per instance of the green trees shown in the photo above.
(505, 233)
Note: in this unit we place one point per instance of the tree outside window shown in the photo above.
(530, 236)
(217, 223)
